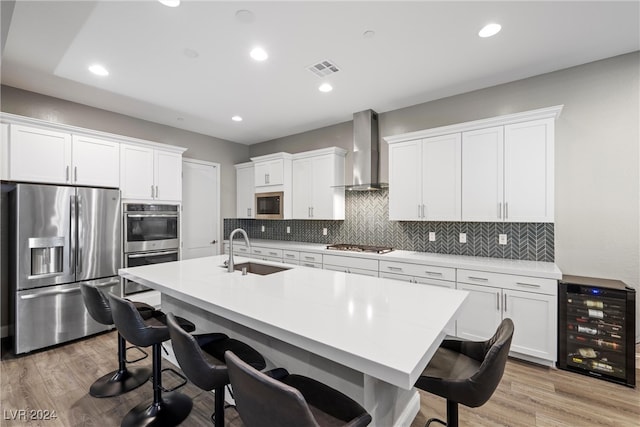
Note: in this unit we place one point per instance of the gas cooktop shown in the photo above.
(360, 248)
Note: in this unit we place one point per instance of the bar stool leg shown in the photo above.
(169, 409)
(121, 381)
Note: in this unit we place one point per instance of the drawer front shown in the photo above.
(310, 257)
(395, 276)
(291, 261)
(351, 262)
(351, 270)
(241, 250)
(509, 281)
(310, 264)
(267, 258)
(266, 252)
(290, 255)
(418, 270)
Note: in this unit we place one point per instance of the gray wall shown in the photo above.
(597, 228)
(201, 147)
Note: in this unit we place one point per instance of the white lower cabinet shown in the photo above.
(495, 296)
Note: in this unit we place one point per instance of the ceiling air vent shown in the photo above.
(323, 68)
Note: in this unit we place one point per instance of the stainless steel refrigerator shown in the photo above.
(61, 236)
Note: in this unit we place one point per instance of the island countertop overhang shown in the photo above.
(385, 328)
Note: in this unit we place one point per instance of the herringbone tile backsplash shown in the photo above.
(367, 223)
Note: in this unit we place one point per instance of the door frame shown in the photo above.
(218, 224)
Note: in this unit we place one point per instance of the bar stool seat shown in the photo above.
(201, 358)
(285, 400)
(123, 379)
(168, 409)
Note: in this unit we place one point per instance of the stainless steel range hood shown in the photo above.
(365, 152)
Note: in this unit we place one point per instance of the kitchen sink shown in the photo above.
(257, 268)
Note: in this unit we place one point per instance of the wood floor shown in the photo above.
(58, 380)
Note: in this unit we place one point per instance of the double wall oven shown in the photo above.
(151, 236)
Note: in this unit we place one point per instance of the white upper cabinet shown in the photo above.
(49, 156)
(318, 180)
(508, 173)
(490, 170)
(96, 162)
(270, 172)
(245, 190)
(528, 171)
(150, 174)
(482, 175)
(424, 179)
(39, 155)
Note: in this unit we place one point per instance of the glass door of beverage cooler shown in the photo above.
(596, 332)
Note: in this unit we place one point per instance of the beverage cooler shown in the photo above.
(596, 321)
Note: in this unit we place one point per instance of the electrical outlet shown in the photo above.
(463, 237)
(324, 231)
(502, 239)
(288, 229)
(432, 236)
(262, 229)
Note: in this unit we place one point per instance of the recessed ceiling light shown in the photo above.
(259, 54)
(170, 3)
(325, 87)
(369, 34)
(236, 118)
(98, 70)
(490, 30)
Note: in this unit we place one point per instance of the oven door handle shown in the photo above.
(152, 254)
(152, 215)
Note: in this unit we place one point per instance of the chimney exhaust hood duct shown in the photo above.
(365, 152)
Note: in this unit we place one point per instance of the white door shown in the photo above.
(405, 201)
(482, 175)
(441, 178)
(528, 171)
(200, 209)
(481, 313)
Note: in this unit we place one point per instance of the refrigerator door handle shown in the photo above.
(80, 232)
(72, 235)
(49, 293)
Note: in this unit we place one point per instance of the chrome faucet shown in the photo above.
(230, 266)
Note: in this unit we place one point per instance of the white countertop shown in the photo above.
(381, 327)
(540, 269)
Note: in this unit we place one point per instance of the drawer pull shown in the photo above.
(257, 251)
(310, 258)
(392, 268)
(528, 285)
(433, 273)
(308, 264)
(481, 279)
(273, 253)
(290, 255)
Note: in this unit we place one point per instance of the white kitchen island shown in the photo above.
(367, 337)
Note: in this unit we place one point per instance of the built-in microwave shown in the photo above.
(270, 205)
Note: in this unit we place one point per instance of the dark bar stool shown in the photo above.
(289, 400)
(123, 379)
(171, 408)
(209, 373)
(467, 372)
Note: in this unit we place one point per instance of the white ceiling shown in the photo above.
(421, 51)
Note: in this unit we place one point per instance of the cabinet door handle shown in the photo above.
(505, 302)
(152, 191)
(527, 285)
(423, 215)
(481, 279)
(419, 212)
(499, 210)
(67, 174)
(266, 178)
(498, 301)
(506, 210)
(248, 211)
(75, 174)
(156, 191)
(433, 273)
(311, 211)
